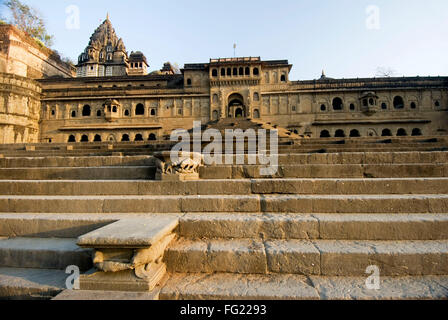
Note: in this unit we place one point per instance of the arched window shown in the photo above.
(384, 106)
(73, 114)
(386, 133)
(416, 132)
(413, 105)
(337, 104)
(85, 138)
(215, 115)
(256, 114)
(140, 110)
(437, 104)
(114, 109)
(354, 134)
(325, 134)
(97, 138)
(153, 112)
(125, 138)
(256, 72)
(152, 137)
(127, 113)
(98, 113)
(398, 102)
(215, 98)
(86, 111)
(138, 137)
(323, 107)
(352, 107)
(339, 134)
(283, 78)
(401, 133)
(229, 72)
(71, 139)
(214, 73)
(241, 71)
(235, 71)
(256, 96)
(223, 72)
(247, 71)
(188, 82)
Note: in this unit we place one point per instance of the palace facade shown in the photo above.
(112, 97)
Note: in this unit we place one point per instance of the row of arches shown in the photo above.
(124, 138)
(235, 72)
(398, 104)
(139, 110)
(385, 133)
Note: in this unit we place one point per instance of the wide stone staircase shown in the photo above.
(334, 208)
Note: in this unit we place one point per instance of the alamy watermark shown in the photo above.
(373, 20)
(72, 22)
(236, 143)
(72, 281)
(373, 282)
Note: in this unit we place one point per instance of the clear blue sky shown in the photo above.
(312, 34)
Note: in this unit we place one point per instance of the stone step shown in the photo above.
(86, 295)
(318, 257)
(224, 286)
(31, 284)
(225, 187)
(283, 159)
(45, 253)
(81, 173)
(64, 226)
(315, 226)
(385, 204)
(73, 161)
(326, 171)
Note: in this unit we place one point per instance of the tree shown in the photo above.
(29, 20)
(385, 72)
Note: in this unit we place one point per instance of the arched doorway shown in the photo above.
(236, 107)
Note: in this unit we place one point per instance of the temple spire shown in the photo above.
(107, 17)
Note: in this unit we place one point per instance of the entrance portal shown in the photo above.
(236, 108)
(239, 113)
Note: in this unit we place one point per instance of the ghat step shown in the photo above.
(226, 187)
(317, 257)
(224, 286)
(313, 227)
(326, 171)
(45, 253)
(390, 204)
(80, 173)
(31, 284)
(291, 158)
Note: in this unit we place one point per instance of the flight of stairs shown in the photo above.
(308, 232)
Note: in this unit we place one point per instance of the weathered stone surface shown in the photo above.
(86, 295)
(294, 256)
(30, 284)
(224, 286)
(43, 253)
(401, 288)
(238, 256)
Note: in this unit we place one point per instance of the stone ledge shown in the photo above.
(130, 233)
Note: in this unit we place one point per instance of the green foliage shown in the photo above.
(29, 20)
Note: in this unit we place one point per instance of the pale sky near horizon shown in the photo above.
(313, 35)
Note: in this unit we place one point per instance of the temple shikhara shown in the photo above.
(356, 208)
